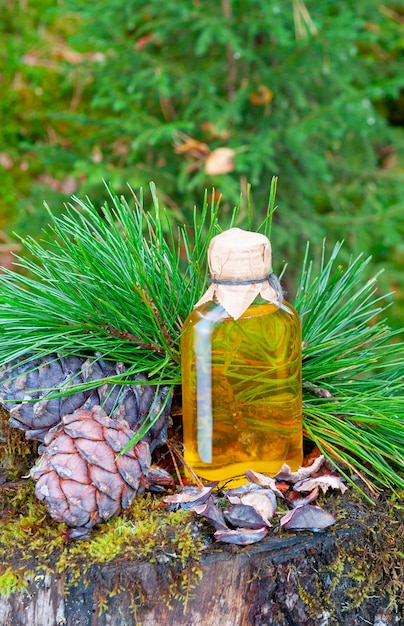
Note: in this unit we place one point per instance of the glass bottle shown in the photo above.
(241, 367)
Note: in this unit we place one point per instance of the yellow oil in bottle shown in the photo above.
(242, 403)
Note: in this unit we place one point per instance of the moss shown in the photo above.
(31, 543)
(359, 570)
(376, 563)
(11, 581)
(313, 598)
(372, 567)
(337, 570)
(16, 453)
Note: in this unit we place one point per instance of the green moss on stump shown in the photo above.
(32, 544)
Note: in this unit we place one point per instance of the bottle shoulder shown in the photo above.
(214, 312)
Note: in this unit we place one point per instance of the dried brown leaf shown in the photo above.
(220, 161)
(191, 147)
(67, 186)
(262, 96)
(6, 161)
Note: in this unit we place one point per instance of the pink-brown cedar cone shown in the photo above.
(81, 477)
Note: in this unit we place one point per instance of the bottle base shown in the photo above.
(233, 475)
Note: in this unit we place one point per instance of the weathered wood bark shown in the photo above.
(284, 581)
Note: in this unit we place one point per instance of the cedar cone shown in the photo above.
(82, 478)
(20, 384)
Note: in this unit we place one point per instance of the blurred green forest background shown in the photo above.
(217, 95)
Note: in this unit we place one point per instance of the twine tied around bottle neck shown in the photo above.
(240, 267)
(249, 281)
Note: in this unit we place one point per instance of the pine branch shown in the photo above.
(105, 281)
(352, 370)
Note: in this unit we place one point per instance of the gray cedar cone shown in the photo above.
(82, 478)
(20, 383)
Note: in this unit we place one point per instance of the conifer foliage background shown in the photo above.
(196, 95)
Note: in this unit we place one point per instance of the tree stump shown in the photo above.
(349, 575)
